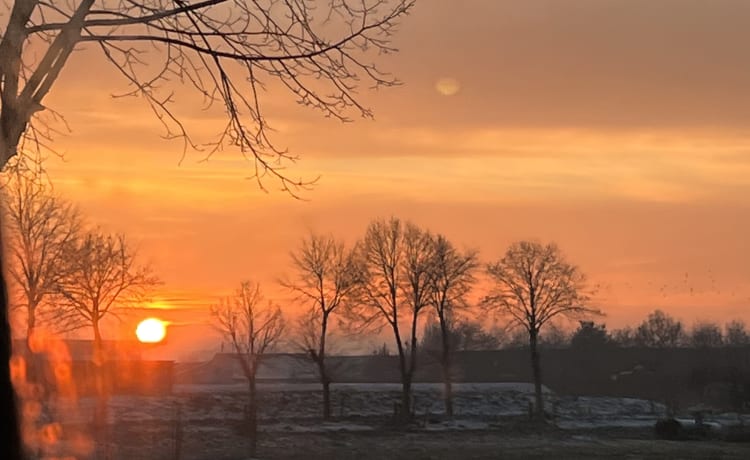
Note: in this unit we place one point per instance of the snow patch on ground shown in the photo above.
(296, 407)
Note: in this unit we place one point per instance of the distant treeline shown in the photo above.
(658, 330)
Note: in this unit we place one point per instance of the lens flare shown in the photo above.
(447, 86)
(151, 330)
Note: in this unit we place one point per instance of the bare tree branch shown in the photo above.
(325, 278)
(101, 277)
(223, 49)
(43, 227)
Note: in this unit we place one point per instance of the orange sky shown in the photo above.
(617, 129)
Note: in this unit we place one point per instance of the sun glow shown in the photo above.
(151, 330)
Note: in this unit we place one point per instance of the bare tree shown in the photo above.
(325, 278)
(534, 284)
(227, 51)
(590, 335)
(735, 334)
(451, 280)
(464, 333)
(103, 276)
(659, 330)
(42, 228)
(253, 330)
(554, 336)
(706, 335)
(394, 263)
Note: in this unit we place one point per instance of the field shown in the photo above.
(205, 422)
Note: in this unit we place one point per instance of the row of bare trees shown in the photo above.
(65, 274)
(395, 279)
(228, 52)
(660, 330)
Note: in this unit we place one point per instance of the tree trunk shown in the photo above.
(405, 410)
(252, 417)
(100, 411)
(10, 436)
(405, 414)
(447, 387)
(30, 325)
(536, 369)
(321, 358)
(447, 367)
(33, 368)
(326, 400)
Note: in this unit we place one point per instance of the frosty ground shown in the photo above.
(205, 422)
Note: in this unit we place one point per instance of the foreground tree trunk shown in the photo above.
(252, 417)
(447, 385)
(100, 411)
(405, 414)
(536, 368)
(10, 436)
(447, 363)
(326, 399)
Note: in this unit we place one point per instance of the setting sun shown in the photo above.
(151, 330)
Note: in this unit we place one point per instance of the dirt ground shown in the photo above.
(493, 424)
(225, 442)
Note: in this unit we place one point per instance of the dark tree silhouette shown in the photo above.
(464, 335)
(554, 336)
(394, 264)
(42, 229)
(451, 279)
(735, 334)
(253, 330)
(706, 335)
(226, 50)
(624, 337)
(533, 284)
(591, 336)
(101, 277)
(659, 330)
(325, 278)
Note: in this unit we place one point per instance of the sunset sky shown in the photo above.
(618, 129)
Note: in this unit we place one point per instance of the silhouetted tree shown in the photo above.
(706, 335)
(464, 335)
(624, 337)
(659, 330)
(451, 279)
(253, 330)
(42, 229)
(395, 263)
(553, 336)
(534, 284)
(325, 278)
(514, 337)
(102, 275)
(590, 335)
(382, 350)
(226, 50)
(735, 334)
